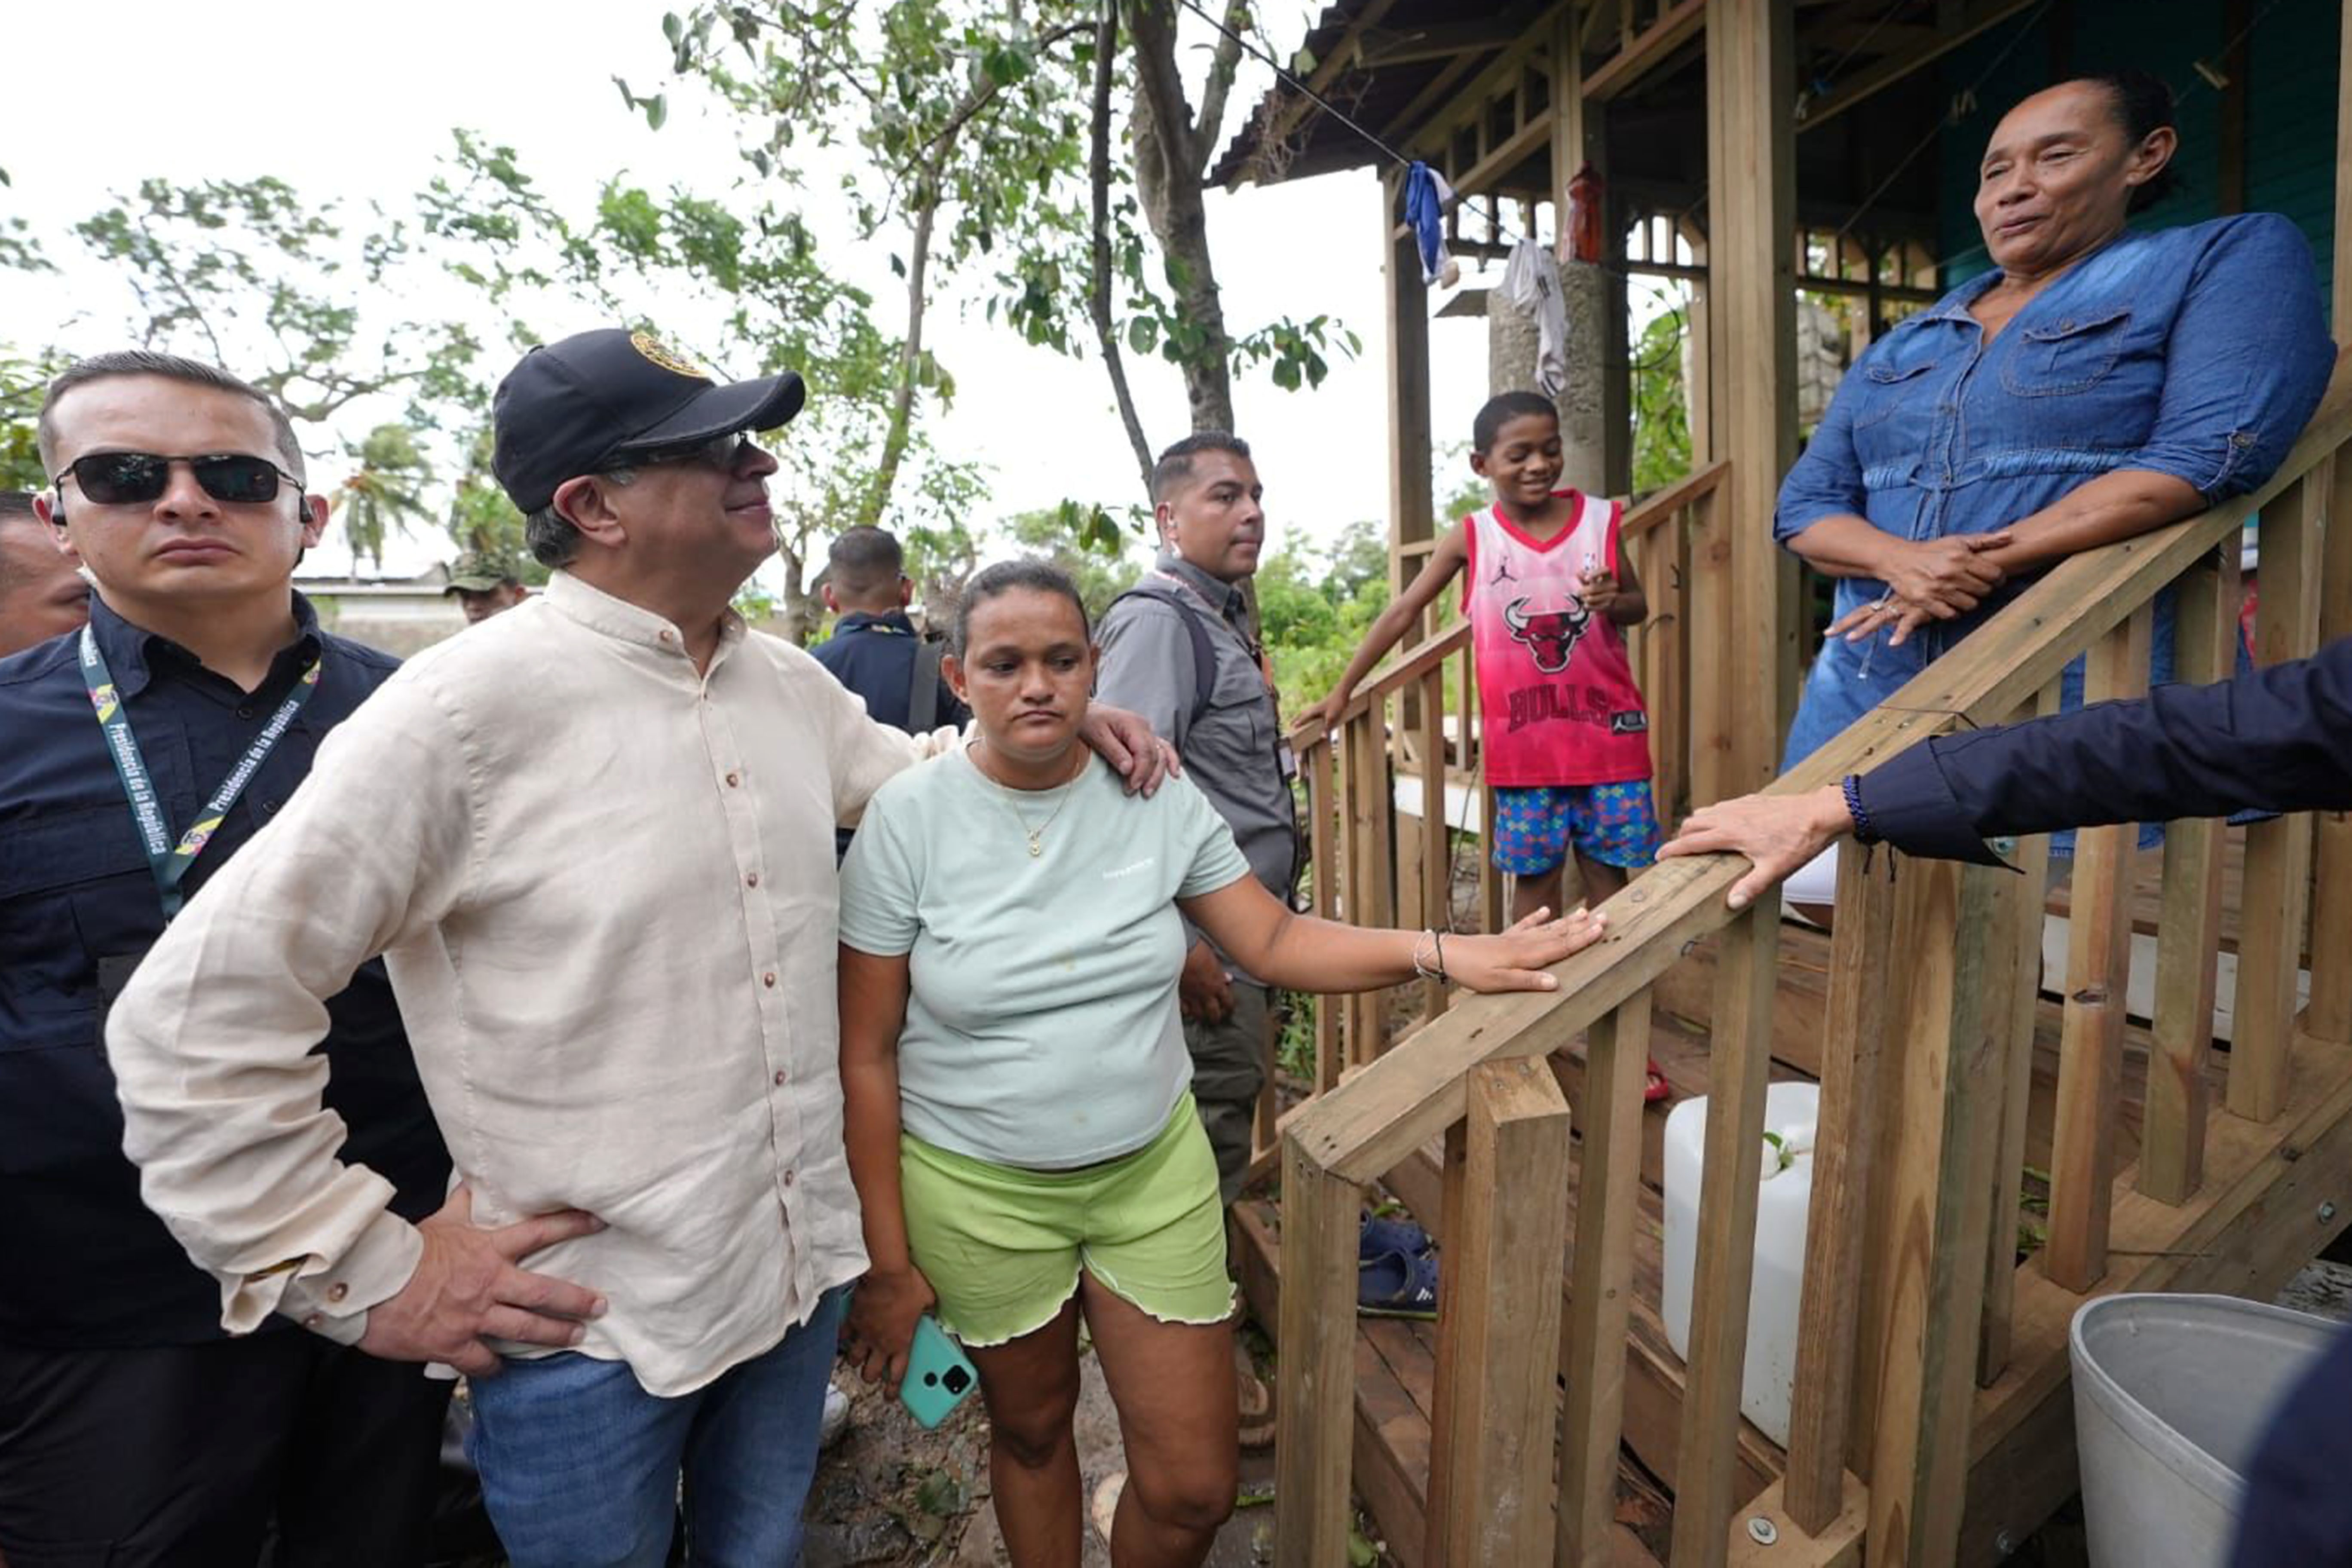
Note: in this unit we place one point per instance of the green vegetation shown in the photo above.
(1038, 158)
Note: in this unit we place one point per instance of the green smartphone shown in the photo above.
(939, 1375)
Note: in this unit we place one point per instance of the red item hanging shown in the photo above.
(1579, 236)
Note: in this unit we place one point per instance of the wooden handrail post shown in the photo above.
(1855, 1022)
(1370, 809)
(2329, 1015)
(1318, 762)
(2022, 976)
(1941, 1202)
(2278, 852)
(1502, 1269)
(1316, 1378)
(1707, 1454)
(1434, 851)
(2172, 1136)
(1601, 1294)
(2091, 1043)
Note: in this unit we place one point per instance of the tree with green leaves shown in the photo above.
(972, 115)
(249, 275)
(386, 494)
(669, 260)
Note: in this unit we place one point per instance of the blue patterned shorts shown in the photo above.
(1610, 825)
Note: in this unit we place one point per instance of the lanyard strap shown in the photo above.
(167, 861)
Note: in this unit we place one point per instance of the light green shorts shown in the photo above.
(1003, 1246)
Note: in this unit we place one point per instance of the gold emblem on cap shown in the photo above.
(669, 359)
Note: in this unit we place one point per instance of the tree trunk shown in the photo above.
(910, 357)
(1169, 158)
(796, 612)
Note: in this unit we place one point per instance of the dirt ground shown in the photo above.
(889, 1492)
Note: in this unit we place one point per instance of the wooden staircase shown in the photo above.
(1396, 1361)
(1959, 1075)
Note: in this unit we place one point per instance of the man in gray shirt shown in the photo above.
(1181, 649)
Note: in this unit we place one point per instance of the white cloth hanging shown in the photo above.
(1531, 283)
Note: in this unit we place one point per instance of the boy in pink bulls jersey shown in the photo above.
(1566, 737)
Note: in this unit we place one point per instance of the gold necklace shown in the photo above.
(1037, 835)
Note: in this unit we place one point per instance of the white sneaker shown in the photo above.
(836, 1420)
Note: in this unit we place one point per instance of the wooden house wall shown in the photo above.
(2290, 107)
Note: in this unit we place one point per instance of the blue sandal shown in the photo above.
(1397, 1285)
(1378, 1237)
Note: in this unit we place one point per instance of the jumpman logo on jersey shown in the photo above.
(1503, 572)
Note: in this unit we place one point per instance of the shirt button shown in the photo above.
(338, 1290)
(788, 1178)
(779, 1078)
(669, 637)
(751, 878)
(732, 780)
(313, 1321)
(244, 712)
(268, 806)
(769, 980)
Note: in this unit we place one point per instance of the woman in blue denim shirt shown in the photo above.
(2097, 385)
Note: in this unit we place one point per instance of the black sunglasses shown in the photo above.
(719, 452)
(116, 478)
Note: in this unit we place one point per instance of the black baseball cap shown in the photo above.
(595, 399)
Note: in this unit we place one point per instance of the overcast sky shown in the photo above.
(357, 103)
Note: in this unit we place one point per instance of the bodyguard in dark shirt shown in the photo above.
(874, 650)
(140, 755)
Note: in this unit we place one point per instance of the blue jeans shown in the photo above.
(580, 1465)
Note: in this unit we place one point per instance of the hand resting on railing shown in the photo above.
(2278, 739)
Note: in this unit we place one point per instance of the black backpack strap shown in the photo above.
(1204, 653)
(923, 687)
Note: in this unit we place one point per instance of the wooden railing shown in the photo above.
(1926, 1057)
(1416, 724)
(1669, 538)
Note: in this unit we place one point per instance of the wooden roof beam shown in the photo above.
(1294, 113)
(1534, 44)
(1438, 41)
(1648, 50)
(1532, 135)
(1889, 69)
(1439, 87)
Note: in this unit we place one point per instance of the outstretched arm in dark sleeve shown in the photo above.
(2273, 740)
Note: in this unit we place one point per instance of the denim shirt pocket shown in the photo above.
(1885, 388)
(2071, 354)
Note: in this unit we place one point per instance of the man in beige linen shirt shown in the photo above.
(626, 1011)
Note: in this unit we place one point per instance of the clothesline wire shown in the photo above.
(1501, 233)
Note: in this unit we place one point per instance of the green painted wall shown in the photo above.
(2291, 92)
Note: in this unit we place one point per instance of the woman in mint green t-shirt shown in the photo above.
(1015, 1084)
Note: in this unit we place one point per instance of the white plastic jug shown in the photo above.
(1790, 1111)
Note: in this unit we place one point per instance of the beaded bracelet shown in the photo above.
(1862, 830)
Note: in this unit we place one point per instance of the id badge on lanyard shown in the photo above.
(168, 862)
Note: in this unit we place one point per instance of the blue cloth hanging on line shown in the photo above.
(1426, 195)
